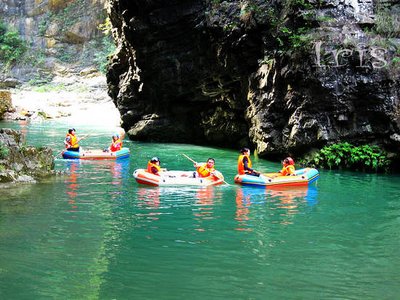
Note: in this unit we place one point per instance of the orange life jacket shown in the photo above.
(73, 141)
(287, 170)
(116, 145)
(204, 171)
(241, 169)
(150, 165)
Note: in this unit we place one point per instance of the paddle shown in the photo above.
(189, 158)
(193, 161)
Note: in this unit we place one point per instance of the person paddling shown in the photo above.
(205, 169)
(72, 141)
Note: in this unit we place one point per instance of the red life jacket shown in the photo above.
(116, 145)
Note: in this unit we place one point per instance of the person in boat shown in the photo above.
(72, 141)
(116, 144)
(153, 166)
(288, 167)
(244, 163)
(205, 169)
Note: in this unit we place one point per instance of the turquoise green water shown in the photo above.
(96, 234)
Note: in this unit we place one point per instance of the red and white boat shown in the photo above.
(183, 178)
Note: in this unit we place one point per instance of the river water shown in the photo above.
(94, 233)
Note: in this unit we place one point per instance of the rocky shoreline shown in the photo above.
(69, 98)
(20, 163)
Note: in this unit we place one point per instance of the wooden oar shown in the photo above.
(59, 153)
(193, 161)
(189, 158)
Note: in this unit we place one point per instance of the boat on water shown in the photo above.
(96, 154)
(174, 178)
(303, 177)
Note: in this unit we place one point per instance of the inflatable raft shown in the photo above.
(303, 177)
(176, 178)
(96, 154)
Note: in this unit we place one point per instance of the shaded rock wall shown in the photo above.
(283, 76)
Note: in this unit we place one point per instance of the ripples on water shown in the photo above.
(96, 234)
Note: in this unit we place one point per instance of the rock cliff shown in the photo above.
(60, 36)
(283, 76)
(21, 163)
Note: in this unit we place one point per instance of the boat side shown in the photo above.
(96, 154)
(303, 177)
(173, 178)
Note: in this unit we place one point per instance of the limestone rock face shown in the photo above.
(21, 163)
(62, 30)
(281, 76)
(5, 102)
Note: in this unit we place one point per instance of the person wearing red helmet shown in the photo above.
(288, 167)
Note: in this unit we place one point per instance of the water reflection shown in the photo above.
(205, 199)
(282, 204)
(204, 203)
(157, 201)
(72, 184)
(119, 171)
(148, 197)
(95, 173)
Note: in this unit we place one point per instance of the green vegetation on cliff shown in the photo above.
(12, 47)
(347, 156)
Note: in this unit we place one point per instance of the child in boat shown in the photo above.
(244, 163)
(153, 166)
(288, 167)
(116, 144)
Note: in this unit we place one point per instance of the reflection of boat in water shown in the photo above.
(96, 154)
(303, 177)
(182, 178)
(260, 195)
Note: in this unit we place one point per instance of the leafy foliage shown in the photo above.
(4, 151)
(107, 46)
(12, 47)
(345, 155)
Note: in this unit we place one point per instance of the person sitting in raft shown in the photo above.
(116, 144)
(72, 141)
(153, 166)
(288, 167)
(205, 169)
(244, 163)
